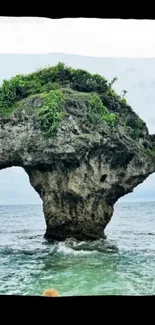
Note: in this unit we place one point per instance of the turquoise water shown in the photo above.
(123, 264)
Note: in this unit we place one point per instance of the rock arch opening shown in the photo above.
(20, 206)
(15, 188)
(142, 192)
(134, 213)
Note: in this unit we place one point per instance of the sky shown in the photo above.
(84, 36)
(100, 38)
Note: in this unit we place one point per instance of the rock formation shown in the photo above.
(97, 150)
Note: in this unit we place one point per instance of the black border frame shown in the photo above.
(103, 308)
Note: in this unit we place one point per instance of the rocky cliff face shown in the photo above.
(82, 169)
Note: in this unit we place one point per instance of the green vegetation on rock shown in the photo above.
(137, 128)
(21, 86)
(97, 111)
(50, 114)
(60, 85)
(150, 152)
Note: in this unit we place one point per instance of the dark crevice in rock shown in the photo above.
(103, 178)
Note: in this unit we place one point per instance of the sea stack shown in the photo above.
(81, 144)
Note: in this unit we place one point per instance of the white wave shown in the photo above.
(62, 248)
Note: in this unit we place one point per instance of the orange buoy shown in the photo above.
(51, 293)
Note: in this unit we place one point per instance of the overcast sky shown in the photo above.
(85, 36)
(88, 37)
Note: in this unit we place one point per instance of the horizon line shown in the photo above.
(81, 55)
(118, 202)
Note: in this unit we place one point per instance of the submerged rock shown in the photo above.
(96, 155)
(100, 245)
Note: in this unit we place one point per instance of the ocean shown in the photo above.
(123, 264)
